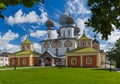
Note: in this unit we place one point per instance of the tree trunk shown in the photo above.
(117, 64)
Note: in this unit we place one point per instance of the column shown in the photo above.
(81, 60)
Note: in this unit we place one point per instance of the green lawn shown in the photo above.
(59, 76)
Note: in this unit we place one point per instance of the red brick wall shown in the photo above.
(27, 61)
(35, 61)
(10, 61)
(94, 61)
(77, 63)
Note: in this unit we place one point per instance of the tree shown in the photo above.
(105, 14)
(114, 53)
(27, 3)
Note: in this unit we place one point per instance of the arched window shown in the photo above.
(46, 45)
(68, 43)
(64, 34)
(73, 61)
(56, 44)
(24, 62)
(89, 60)
(48, 35)
(68, 33)
(83, 43)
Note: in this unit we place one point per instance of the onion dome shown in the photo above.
(95, 40)
(76, 30)
(49, 23)
(69, 20)
(62, 19)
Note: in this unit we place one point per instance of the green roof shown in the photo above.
(84, 37)
(83, 50)
(27, 41)
(25, 52)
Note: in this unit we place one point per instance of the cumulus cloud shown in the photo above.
(38, 34)
(6, 39)
(19, 17)
(115, 35)
(37, 47)
(42, 34)
(8, 36)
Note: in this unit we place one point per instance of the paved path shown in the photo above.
(21, 68)
(107, 66)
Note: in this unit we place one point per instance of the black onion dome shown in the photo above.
(62, 19)
(76, 30)
(95, 41)
(49, 23)
(69, 20)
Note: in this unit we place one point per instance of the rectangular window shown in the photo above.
(83, 43)
(68, 33)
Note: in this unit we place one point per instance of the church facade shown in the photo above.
(68, 49)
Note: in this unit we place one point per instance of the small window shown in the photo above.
(89, 43)
(89, 60)
(73, 61)
(83, 43)
(64, 34)
(67, 49)
(68, 33)
(48, 35)
(56, 51)
(5, 59)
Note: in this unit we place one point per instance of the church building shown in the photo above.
(68, 49)
(26, 57)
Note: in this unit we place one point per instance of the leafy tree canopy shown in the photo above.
(27, 3)
(114, 53)
(105, 14)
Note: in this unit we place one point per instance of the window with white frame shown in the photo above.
(73, 61)
(89, 43)
(24, 62)
(89, 60)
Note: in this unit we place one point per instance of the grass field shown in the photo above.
(59, 76)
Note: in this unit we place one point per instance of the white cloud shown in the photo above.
(77, 7)
(37, 47)
(42, 34)
(5, 41)
(38, 34)
(8, 36)
(115, 35)
(21, 17)
(31, 17)
(23, 38)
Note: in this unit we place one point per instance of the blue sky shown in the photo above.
(21, 22)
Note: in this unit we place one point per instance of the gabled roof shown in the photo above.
(25, 52)
(84, 37)
(83, 50)
(50, 53)
(27, 41)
